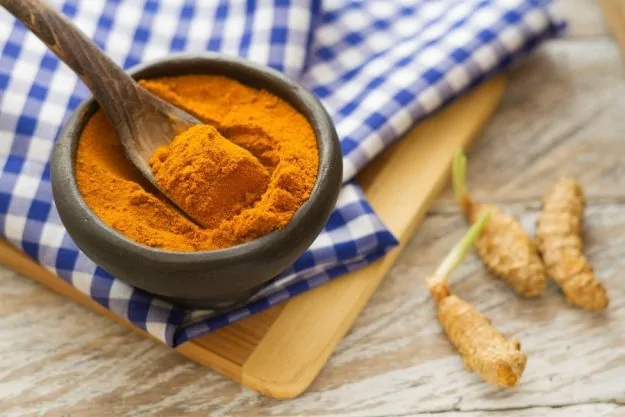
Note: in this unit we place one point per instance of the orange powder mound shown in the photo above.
(254, 187)
(207, 176)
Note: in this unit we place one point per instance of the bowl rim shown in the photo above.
(326, 137)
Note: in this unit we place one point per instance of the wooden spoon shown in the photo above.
(143, 121)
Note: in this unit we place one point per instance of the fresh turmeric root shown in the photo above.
(504, 247)
(560, 243)
(497, 360)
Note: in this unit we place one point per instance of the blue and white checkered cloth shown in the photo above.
(377, 65)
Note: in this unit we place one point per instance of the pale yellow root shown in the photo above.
(484, 350)
(504, 246)
(508, 251)
(560, 244)
(497, 360)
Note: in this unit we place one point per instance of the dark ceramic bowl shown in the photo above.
(208, 279)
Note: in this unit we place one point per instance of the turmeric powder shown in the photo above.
(499, 361)
(504, 247)
(560, 244)
(208, 176)
(244, 173)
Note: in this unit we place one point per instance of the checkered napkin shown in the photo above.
(377, 65)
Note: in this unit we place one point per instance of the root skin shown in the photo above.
(507, 250)
(560, 244)
(499, 361)
(504, 246)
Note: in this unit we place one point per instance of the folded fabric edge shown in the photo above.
(196, 329)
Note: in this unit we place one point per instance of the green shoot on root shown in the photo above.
(458, 175)
(457, 254)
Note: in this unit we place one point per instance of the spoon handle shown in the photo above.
(110, 85)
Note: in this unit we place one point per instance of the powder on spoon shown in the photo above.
(245, 172)
(207, 176)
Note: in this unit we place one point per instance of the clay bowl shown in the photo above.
(207, 279)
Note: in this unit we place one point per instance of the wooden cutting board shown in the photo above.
(280, 351)
(614, 13)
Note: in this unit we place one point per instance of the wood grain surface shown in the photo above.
(562, 115)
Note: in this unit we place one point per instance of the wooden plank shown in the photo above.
(586, 410)
(561, 115)
(583, 17)
(198, 352)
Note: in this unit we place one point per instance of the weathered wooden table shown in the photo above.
(563, 114)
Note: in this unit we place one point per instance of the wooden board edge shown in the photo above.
(254, 373)
(286, 389)
(614, 15)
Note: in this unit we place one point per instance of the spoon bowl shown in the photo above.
(208, 279)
